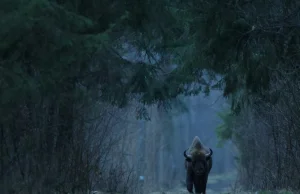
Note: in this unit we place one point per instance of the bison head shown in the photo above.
(199, 160)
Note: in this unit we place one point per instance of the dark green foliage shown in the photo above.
(246, 42)
(214, 35)
(56, 59)
(56, 43)
(225, 130)
(56, 56)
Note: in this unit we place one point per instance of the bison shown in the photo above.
(198, 164)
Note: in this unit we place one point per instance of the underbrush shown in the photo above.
(239, 191)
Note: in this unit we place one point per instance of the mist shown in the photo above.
(160, 140)
(168, 134)
(104, 97)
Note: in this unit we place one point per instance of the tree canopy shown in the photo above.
(52, 43)
(56, 56)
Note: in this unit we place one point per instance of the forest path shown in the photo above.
(217, 184)
(184, 191)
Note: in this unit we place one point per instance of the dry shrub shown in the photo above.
(267, 134)
(38, 155)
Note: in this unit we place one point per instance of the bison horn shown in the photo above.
(186, 156)
(209, 154)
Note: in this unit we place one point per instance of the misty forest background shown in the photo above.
(95, 94)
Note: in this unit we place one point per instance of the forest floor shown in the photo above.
(221, 184)
(217, 184)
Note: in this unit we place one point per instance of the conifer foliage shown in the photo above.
(59, 56)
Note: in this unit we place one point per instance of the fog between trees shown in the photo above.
(95, 95)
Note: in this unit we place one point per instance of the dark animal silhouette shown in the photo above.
(198, 164)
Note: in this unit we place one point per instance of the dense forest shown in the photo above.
(79, 79)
